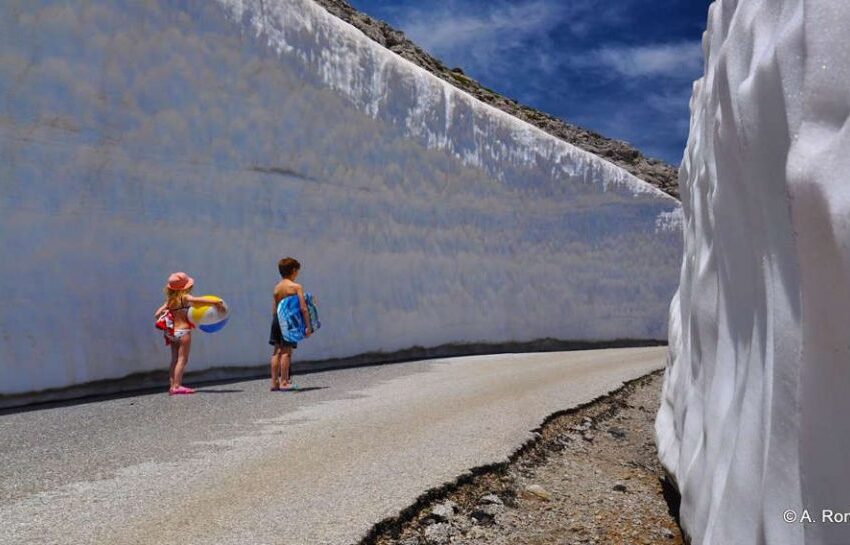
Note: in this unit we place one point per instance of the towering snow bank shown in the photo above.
(754, 414)
(139, 138)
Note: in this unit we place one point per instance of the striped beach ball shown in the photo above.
(208, 318)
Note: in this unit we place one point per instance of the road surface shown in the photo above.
(237, 464)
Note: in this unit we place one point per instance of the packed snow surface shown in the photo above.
(753, 423)
(142, 138)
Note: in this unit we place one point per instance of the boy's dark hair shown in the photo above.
(287, 266)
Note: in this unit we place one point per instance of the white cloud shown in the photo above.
(676, 60)
(669, 101)
(479, 36)
(550, 53)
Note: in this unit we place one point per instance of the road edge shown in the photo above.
(141, 383)
(533, 447)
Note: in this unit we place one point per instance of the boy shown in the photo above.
(282, 355)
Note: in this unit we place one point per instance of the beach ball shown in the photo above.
(208, 318)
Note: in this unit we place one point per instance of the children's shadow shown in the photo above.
(218, 391)
(302, 390)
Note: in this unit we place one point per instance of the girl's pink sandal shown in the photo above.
(180, 390)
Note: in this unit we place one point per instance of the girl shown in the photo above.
(178, 333)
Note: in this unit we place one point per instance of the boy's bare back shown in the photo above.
(285, 288)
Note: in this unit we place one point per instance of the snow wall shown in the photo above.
(215, 137)
(753, 421)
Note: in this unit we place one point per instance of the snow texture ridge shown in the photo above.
(753, 417)
(216, 137)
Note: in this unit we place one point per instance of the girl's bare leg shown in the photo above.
(173, 366)
(182, 359)
(275, 364)
(285, 362)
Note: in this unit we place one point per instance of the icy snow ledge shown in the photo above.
(753, 419)
(139, 138)
(439, 115)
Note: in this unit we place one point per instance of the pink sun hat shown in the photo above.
(180, 281)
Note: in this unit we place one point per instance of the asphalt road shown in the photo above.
(237, 464)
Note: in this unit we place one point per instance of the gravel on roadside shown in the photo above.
(590, 476)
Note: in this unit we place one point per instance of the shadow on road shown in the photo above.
(302, 390)
(205, 391)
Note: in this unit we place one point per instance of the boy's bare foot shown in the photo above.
(275, 386)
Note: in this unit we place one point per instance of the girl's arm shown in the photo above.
(159, 311)
(198, 301)
(305, 314)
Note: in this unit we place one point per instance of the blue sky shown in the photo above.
(623, 68)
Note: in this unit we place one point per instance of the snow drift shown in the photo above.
(140, 138)
(753, 417)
